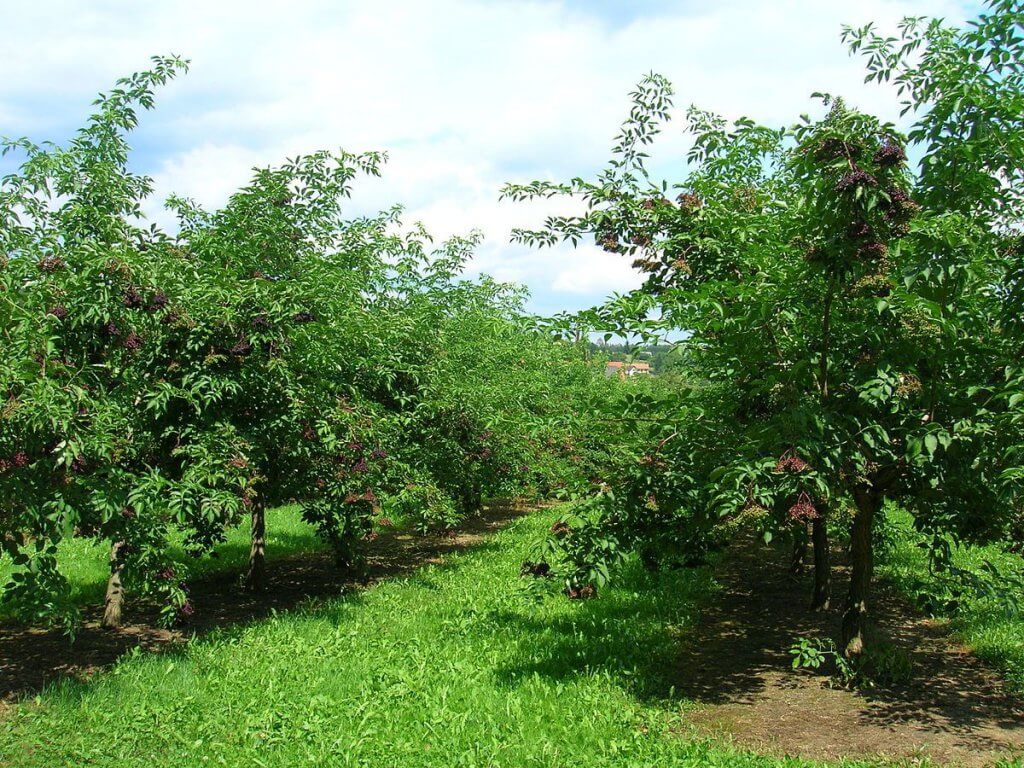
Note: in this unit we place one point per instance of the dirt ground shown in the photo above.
(31, 658)
(954, 710)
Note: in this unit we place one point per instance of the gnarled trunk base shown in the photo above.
(256, 577)
(855, 618)
(799, 556)
(822, 566)
(113, 601)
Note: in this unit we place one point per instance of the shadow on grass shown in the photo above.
(733, 665)
(32, 658)
(631, 633)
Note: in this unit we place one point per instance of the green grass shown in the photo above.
(457, 665)
(85, 563)
(994, 633)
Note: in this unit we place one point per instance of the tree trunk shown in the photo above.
(256, 578)
(113, 602)
(855, 617)
(796, 563)
(822, 566)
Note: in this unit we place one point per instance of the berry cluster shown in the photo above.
(18, 460)
(133, 342)
(803, 510)
(856, 178)
(791, 463)
(537, 570)
(690, 202)
(581, 592)
(50, 264)
(158, 302)
(874, 250)
(560, 528)
(889, 155)
(132, 298)
(242, 348)
(833, 148)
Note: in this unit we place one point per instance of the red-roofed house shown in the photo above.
(627, 369)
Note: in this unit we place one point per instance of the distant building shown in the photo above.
(627, 369)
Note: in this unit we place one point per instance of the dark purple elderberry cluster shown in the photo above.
(79, 465)
(833, 148)
(304, 317)
(111, 329)
(366, 497)
(539, 570)
(242, 347)
(560, 528)
(899, 207)
(186, 610)
(261, 322)
(609, 242)
(873, 251)
(889, 155)
(378, 454)
(581, 592)
(132, 298)
(689, 202)
(50, 264)
(158, 302)
(17, 460)
(59, 311)
(856, 178)
(791, 463)
(859, 230)
(133, 342)
(803, 510)
(167, 574)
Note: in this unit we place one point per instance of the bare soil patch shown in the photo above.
(31, 658)
(955, 711)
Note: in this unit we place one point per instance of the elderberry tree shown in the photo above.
(163, 387)
(840, 308)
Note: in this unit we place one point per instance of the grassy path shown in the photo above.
(452, 666)
(457, 663)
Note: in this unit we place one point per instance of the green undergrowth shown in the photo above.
(456, 665)
(992, 626)
(84, 562)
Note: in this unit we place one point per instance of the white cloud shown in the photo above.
(464, 94)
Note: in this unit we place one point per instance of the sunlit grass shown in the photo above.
(85, 563)
(459, 665)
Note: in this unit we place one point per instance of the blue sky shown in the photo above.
(463, 94)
